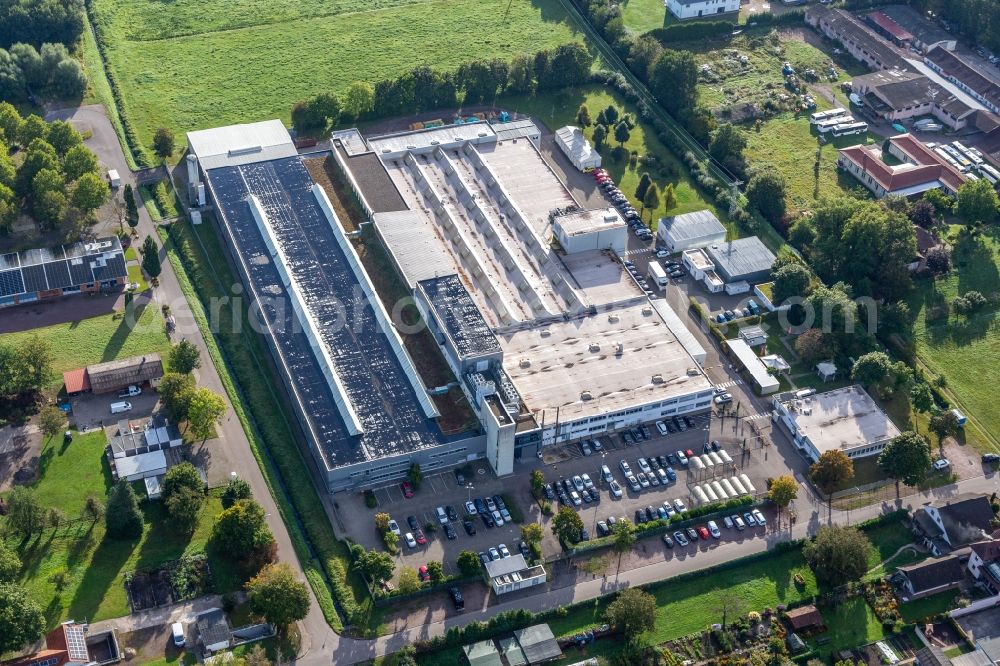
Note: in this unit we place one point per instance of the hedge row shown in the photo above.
(688, 32)
(425, 590)
(131, 138)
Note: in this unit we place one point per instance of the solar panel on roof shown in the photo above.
(57, 273)
(114, 267)
(79, 270)
(9, 261)
(34, 278)
(11, 283)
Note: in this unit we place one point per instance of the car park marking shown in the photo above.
(734, 382)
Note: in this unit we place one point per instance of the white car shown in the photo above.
(941, 463)
(634, 483)
(661, 474)
(490, 504)
(713, 529)
(498, 518)
(587, 483)
(643, 480)
(606, 474)
(442, 515)
(470, 508)
(669, 508)
(723, 398)
(644, 466)
(679, 505)
(394, 527)
(626, 470)
(740, 525)
(727, 521)
(410, 541)
(683, 459)
(661, 427)
(759, 517)
(616, 490)
(573, 496)
(578, 483)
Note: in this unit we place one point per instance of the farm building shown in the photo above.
(741, 260)
(896, 95)
(860, 40)
(690, 231)
(689, 9)
(921, 168)
(844, 419)
(598, 229)
(966, 76)
(576, 147)
(78, 268)
(115, 375)
(912, 29)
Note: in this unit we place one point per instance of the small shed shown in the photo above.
(777, 363)
(827, 370)
(804, 617)
(753, 336)
(538, 643)
(483, 653)
(122, 373)
(213, 630)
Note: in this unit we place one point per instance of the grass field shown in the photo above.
(965, 352)
(190, 65)
(644, 15)
(559, 109)
(848, 624)
(915, 611)
(103, 338)
(94, 564)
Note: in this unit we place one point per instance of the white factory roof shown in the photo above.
(515, 129)
(588, 221)
(844, 418)
(574, 365)
(748, 359)
(425, 140)
(575, 142)
(234, 145)
(701, 224)
(414, 246)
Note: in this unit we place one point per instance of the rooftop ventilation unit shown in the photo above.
(647, 310)
(586, 395)
(545, 332)
(619, 348)
(524, 363)
(614, 318)
(657, 379)
(595, 347)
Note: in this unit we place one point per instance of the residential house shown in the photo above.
(949, 524)
(984, 564)
(921, 168)
(688, 9)
(931, 576)
(73, 643)
(214, 633)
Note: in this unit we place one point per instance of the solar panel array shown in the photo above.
(461, 316)
(43, 269)
(376, 384)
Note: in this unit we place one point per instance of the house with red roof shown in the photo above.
(920, 169)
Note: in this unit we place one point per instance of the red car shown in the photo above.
(407, 489)
(689, 453)
(703, 532)
(421, 539)
(423, 573)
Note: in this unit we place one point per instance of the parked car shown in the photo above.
(442, 515)
(679, 422)
(679, 505)
(177, 633)
(703, 533)
(991, 458)
(412, 522)
(602, 528)
(644, 465)
(459, 477)
(487, 519)
(626, 470)
(692, 534)
(749, 519)
(575, 498)
(497, 518)
(727, 521)
(584, 535)
(650, 513)
(615, 489)
(587, 482)
(606, 474)
(723, 398)
(449, 532)
(419, 534)
(671, 474)
(640, 516)
(585, 448)
(410, 541)
(667, 541)
(661, 427)
(680, 538)
(407, 489)
(643, 480)
(759, 517)
(470, 527)
(494, 554)
(470, 508)
(423, 573)
(941, 464)
(480, 505)
(738, 522)
(483, 558)
(503, 550)
(130, 392)
(634, 483)
(524, 550)
(713, 529)
(550, 493)
(456, 598)
(683, 459)
(452, 514)
(490, 504)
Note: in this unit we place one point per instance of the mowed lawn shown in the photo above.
(558, 109)
(965, 352)
(102, 338)
(92, 565)
(848, 624)
(644, 15)
(190, 65)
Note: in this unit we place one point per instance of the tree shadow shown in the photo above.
(105, 567)
(127, 324)
(163, 542)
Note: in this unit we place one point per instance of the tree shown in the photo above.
(376, 566)
(205, 411)
(622, 133)
(790, 281)
(358, 99)
(21, 618)
(10, 563)
(644, 182)
(184, 357)
(90, 192)
(257, 656)
(93, 509)
(814, 345)
(727, 145)
(673, 80)
(415, 475)
(537, 481)
(624, 538)
(610, 115)
(921, 397)
(51, 420)
(328, 106)
(382, 521)
(943, 204)
(669, 196)
(838, 555)
(68, 80)
(78, 161)
(183, 492)
(278, 595)
(131, 208)
(783, 490)
(923, 214)
(436, 571)
(408, 580)
(567, 525)
(150, 257)
(599, 136)
(906, 458)
(583, 116)
(944, 424)
(468, 563)
(832, 470)
(652, 200)
(163, 143)
(521, 77)
(25, 514)
(241, 530)
(531, 533)
(977, 202)
(63, 137)
(766, 193)
(237, 489)
(176, 390)
(871, 369)
(727, 604)
(123, 518)
(633, 612)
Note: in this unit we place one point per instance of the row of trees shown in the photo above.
(58, 178)
(200, 408)
(37, 21)
(27, 73)
(424, 88)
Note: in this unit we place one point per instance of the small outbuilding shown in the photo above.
(213, 630)
(804, 618)
(753, 336)
(576, 147)
(827, 370)
(117, 375)
(538, 643)
(690, 231)
(743, 259)
(483, 653)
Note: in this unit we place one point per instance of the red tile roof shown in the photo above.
(890, 26)
(76, 381)
(929, 165)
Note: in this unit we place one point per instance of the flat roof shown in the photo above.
(515, 129)
(690, 226)
(579, 222)
(574, 140)
(234, 145)
(62, 266)
(462, 320)
(743, 256)
(600, 277)
(748, 359)
(426, 139)
(573, 366)
(414, 245)
(844, 418)
(699, 259)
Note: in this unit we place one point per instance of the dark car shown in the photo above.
(456, 598)
(550, 493)
(449, 532)
(499, 502)
(480, 505)
(667, 541)
(671, 458)
(671, 427)
(470, 527)
(991, 458)
(706, 447)
(484, 559)
(715, 445)
(640, 516)
(487, 519)
(692, 534)
(602, 528)
(525, 550)
(730, 315)
(459, 477)
(628, 439)
(645, 432)
(452, 514)
(584, 535)
(650, 513)
(412, 522)
(595, 496)
(680, 424)
(654, 462)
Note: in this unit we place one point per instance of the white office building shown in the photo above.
(689, 9)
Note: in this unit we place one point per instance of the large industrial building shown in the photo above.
(522, 288)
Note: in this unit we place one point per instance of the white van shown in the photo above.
(177, 632)
(120, 407)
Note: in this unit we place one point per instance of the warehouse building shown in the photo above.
(966, 76)
(575, 146)
(584, 230)
(896, 95)
(845, 419)
(907, 27)
(690, 231)
(86, 267)
(741, 260)
(691, 9)
(860, 40)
